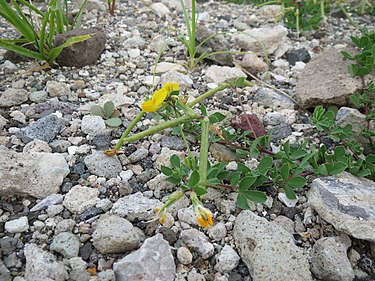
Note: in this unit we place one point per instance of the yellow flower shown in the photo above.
(155, 103)
(204, 217)
(171, 87)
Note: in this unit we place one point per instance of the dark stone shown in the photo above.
(78, 168)
(64, 107)
(83, 53)
(146, 163)
(66, 187)
(89, 213)
(298, 55)
(289, 212)
(281, 131)
(173, 142)
(45, 129)
(86, 250)
(169, 235)
(147, 175)
(102, 142)
(8, 245)
(250, 122)
(16, 57)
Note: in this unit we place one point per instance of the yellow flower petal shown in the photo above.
(159, 96)
(204, 217)
(170, 87)
(149, 106)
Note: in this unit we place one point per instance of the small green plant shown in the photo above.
(37, 28)
(364, 61)
(111, 7)
(108, 112)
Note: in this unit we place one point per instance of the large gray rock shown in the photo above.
(103, 166)
(45, 129)
(329, 260)
(197, 241)
(272, 99)
(183, 80)
(4, 272)
(82, 53)
(326, 80)
(12, 97)
(222, 74)
(65, 243)
(262, 40)
(115, 235)
(135, 206)
(79, 198)
(346, 202)
(268, 250)
(152, 262)
(31, 174)
(41, 265)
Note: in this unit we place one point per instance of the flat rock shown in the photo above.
(103, 166)
(269, 98)
(41, 265)
(262, 40)
(163, 67)
(45, 129)
(173, 75)
(11, 97)
(153, 261)
(198, 242)
(79, 198)
(57, 89)
(115, 235)
(93, 125)
(221, 74)
(326, 80)
(346, 202)
(31, 174)
(65, 243)
(268, 250)
(135, 206)
(18, 225)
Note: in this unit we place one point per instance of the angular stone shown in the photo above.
(346, 202)
(31, 174)
(183, 80)
(135, 206)
(222, 153)
(65, 243)
(197, 241)
(12, 97)
(329, 260)
(227, 259)
(103, 166)
(326, 80)
(57, 89)
(93, 125)
(41, 265)
(272, 99)
(262, 40)
(4, 272)
(115, 235)
(160, 9)
(79, 198)
(82, 53)
(153, 261)
(222, 74)
(268, 250)
(163, 67)
(49, 200)
(18, 225)
(45, 129)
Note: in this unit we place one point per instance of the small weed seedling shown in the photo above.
(108, 113)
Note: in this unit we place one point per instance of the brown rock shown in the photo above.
(82, 53)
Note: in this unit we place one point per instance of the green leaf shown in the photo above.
(55, 52)
(200, 190)
(166, 171)
(255, 196)
(113, 122)
(203, 109)
(338, 168)
(247, 182)
(235, 178)
(297, 182)
(298, 154)
(194, 179)
(175, 161)
(173, 180)
(242, 201)
(216, 117)
(223, 175)
(108, 108)
(322, 170)
(213, 181)
(353, 69)
(97, 110)
(240, 81)
(241, 153)
(289, 192)
(265, 164)
(347, 55)
(284, 171)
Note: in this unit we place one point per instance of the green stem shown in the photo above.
(160, 127)
(184, 138)
(297, 22)
(193, 32)
(347, 15)
(129, 129)
(203, 157)
(322, 13)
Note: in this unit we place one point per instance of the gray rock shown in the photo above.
(11, 97)
(135, 42)
(187, 215)
(60, 146)
(65, 243)
(57, 89)
(173, 142)
(82, 53)
(268, 250)
(138, 155)
(3, 122)
(115, 235)
(93, 125)
(254, 62)
(106, 275)
(262, 40)
(197, 241)
(45, 129)
(79, 198)
(41, 265)
(49, 200)
(18, 225)
(218, 231)
(160, 9)
(326, 80)
(153, 261)
(8, 245)
(184, 256)
(222, 153)
(135, 206)
(227, 259)
(273, 118)
(272, 99)
(37, 146)
(38, 96)
(103, 166)
(163, 67)
(346, 202)
(281, 131)
(183, 80)
(160, 183)
(347, 115)
(31, 174)
(221, 74)
(9, 67)
(285, 222)
(330, 262)
(4, 272)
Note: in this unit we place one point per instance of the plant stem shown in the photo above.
(129, 129)
(322, 13)
(203, 154)
(347, 15)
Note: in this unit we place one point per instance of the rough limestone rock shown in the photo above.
(79, 198)
(268, 250)
(12, 97)
(222, 74)
(83, 53)
(103, 166)
(41, 265)
(262, 40)
(115, 235)
(329, 260)
(326, 80)
(153, 261)
(346, 202)
(31, 174)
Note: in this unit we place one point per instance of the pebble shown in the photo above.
(11, 97)
(184, 256)
(197, 241)
(65, 243)
(57, 89)
(93, 125)
(79, 198)
(104, 166)
(227, 259)
(18, 225)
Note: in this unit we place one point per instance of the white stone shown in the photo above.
(220, 74)
(93, 125)
(184, 256)
(18, 225)
(227, 259)
(57, 89)
(160, 9)
(287, 202)
(80, 198)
